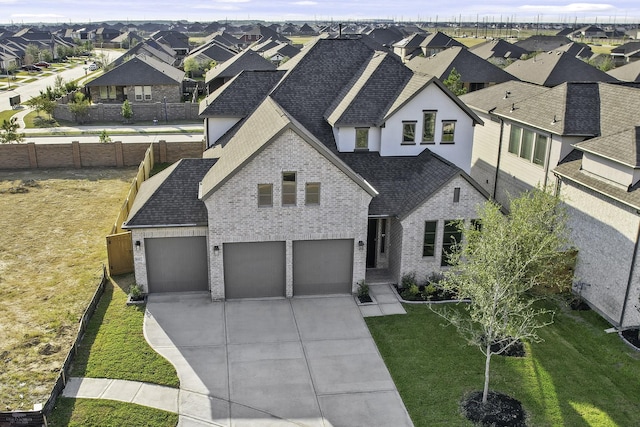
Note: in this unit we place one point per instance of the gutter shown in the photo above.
(495, 179)
(130, 227)
(630, 280)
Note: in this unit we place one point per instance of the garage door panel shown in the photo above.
(177, 264)
(254, 269)
(322, 266)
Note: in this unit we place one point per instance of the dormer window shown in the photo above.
(362, 138)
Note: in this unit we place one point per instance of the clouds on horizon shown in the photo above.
(312, 10)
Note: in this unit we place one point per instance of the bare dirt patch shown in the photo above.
(54, 224)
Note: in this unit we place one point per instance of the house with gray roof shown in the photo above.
(245, 60)
(580, 140)
(499, 51)
(339, 163)
(627, 73)
(540, 43)
(437, 42)
(141, 79)
(475, 72)
(628, 52)
(556, 67)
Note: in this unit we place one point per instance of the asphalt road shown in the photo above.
(29, 90)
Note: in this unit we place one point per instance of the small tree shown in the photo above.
(104, 136)
(454, 83)
(191, 64)
(127, 111)
(10, 133)
(500, 261)
(79, 107)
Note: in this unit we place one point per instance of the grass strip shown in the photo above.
(578, 376)
(107, 413)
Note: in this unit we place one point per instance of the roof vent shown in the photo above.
(513, 108)
(506, 94)
(554, 120)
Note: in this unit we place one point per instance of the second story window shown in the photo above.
(289, 188)
(408, 132)
(312, 193)
(448, 131)
(429, 126)
(362, 138)
(528, 145)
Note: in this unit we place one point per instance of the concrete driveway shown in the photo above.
(280, 362)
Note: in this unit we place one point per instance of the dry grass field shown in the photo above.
(51, 252)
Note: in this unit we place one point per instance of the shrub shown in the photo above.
(363, 289)
(135, 291)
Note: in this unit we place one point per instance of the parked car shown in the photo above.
(30, 67)
(93, 67)
(42, 64)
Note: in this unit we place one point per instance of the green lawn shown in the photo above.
(114, 344)
(107, 413)
(580, 376)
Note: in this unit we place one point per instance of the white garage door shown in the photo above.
(177, 264)
(254, 269)
(322, 267)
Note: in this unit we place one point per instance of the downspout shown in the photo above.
(495, 178)
(630, 280)
(546, 163)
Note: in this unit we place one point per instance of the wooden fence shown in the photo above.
(119, 245)
(38, 418)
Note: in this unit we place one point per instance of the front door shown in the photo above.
(372, 242)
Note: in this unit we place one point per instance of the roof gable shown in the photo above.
(246, 60)
(140, 71)
(622, 147)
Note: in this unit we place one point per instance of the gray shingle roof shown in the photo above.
(622, 147)
(542, 43)
(572, 171)
(627, 73)
(556, 67)
(140, 71)
(246, 60)
(440, 40)
(359, 104)
(498, 49)
(403, 183)
(170, 198)
(241, 95)
(471, 67)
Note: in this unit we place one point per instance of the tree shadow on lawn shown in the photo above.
(579, 376)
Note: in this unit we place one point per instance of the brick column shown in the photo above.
(33, 158)
(77, 161)
(119, 154)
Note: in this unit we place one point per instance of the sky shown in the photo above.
(78, 11)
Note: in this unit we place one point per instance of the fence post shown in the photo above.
(77, 161)
(33, 158)
(119, 154)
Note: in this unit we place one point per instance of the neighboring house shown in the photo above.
(138, 80)
(245, 60)
(583, 134)
(579, 50)
(106, 34)
(437, 42)
(628, 52)
(280, 52)
(588, 32)
(475, 72)
(341, 160)
(627, 73)
(499, 52)
(542, 43)
(150, 48)
(408, 46)
(176, 41)
(556, 67)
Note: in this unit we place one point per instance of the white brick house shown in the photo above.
(315, 174)
(588, 153)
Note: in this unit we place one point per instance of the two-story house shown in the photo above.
(340, 161)
(580, 140)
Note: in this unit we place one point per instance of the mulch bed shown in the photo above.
(631, 335)
(364, 299)
(515, 350)
(499, 411)
(422, 295)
